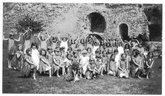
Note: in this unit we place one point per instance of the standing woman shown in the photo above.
(149, 64)
(11, 48)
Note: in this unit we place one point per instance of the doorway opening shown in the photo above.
(97, 22)
(123, 28)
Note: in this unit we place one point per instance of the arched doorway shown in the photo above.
(123, 28)
(97, 22)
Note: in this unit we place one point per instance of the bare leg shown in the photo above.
(50, 73)
(34, 74)
(58, 73)
(63, 70)
(9, 64)
(102, 72)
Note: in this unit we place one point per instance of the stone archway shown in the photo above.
(97, 22)
(123, 28)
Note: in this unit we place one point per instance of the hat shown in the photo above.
(84, 52)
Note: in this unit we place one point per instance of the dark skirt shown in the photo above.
(14, 61)
(26, 68)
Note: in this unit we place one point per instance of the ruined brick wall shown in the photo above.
(75, 19)
(71, 18)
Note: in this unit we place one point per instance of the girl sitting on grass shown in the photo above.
(149, 63)
(137, 64)
(28, 65)
(91, 69)
(123, 67)
(44, 63)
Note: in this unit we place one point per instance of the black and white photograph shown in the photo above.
(82, 48)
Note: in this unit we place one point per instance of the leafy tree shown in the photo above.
(29, 22)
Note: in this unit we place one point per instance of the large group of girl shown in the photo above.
(74, 59)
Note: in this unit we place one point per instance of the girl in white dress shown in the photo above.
(35, 58)
(84, 61)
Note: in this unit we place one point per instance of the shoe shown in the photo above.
(147, 77)
(58, 75)
(140, 77)
(9, 67)
(14, 68)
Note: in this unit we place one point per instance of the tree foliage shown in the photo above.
(29, 22)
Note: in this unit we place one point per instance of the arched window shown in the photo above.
(123, 28)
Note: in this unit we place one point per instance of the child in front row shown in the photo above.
(91, 69)
(28, 65)
(123, 67)
(44, 63)
(149, 63)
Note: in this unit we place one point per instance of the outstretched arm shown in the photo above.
(149, 66)
(135, 62)
(29, 61)
(46, 62)
(25, 32)
(39, 36)
(55, 62)
(58, 35)
(5, 38)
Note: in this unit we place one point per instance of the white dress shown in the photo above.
(117, 59)
(120, 50)
(65, 45)
(35, 57)
(118, 56)
(84, 61)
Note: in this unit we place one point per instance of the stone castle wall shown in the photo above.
(71, 18)
(76, 18)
